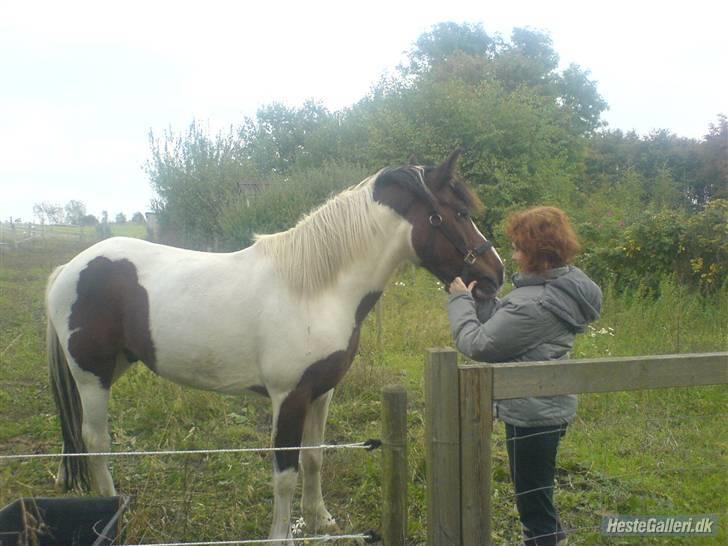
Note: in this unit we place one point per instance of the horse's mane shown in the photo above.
(310, 254)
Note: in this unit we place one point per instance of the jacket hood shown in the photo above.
(569, 294)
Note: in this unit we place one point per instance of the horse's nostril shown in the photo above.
(485, 288)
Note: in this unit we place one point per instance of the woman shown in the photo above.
(552, 301)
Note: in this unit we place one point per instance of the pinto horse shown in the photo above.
(281, 317)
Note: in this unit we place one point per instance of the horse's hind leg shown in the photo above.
(312, 502)
(95, 431)
(61, 477)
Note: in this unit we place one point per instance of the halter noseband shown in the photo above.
(470, 255)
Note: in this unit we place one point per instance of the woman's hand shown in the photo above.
(457, 286)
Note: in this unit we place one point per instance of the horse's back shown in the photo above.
(151, 262)
(221, 322)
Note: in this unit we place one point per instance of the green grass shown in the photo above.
(645, 452)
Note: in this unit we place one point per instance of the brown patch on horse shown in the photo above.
(319, 378)
(365, 305)
(110, 317)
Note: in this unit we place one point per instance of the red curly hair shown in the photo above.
(544, 236)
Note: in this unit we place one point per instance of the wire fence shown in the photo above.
(368, 445)
(583, 514)
(575, 532)
(368, 537)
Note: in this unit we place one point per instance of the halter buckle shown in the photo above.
(435, 219)
(470, 257)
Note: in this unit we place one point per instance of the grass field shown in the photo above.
(649, 452)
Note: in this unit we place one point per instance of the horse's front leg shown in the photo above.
(288, 419)
(315, 515)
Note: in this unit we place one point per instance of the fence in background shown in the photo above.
(459, 420)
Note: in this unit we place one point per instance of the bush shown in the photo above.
(694, 248)
(283, 200)
(195, 176)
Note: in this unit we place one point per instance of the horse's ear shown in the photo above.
(413, 160)
(445, 172)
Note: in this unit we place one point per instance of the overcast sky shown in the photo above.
(82, 83)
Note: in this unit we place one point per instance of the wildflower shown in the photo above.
(593, 332)
(297, 527)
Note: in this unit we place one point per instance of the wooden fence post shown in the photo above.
(476, 427)
(394, 465)
(442, 443)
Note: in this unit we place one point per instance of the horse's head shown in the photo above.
(444, 237)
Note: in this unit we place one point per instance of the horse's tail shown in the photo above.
(75, 472)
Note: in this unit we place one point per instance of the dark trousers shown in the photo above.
(532, 462)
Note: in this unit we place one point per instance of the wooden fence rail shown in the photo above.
(459, 416)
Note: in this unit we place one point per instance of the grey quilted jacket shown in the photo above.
(537, 320)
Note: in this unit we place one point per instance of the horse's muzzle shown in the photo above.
(484, 288)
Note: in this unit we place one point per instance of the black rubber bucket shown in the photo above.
(62, 521)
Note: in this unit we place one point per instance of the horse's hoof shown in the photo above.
(327, 523)
(321, 522)
(60, 485)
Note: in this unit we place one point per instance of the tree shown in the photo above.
(446, 40)
(89, 220)
(75, 211)
(138, 218)
(578, 94)
(714, 171)
(196, 176)
(280, 136)
(665, 193)
(466, 52)
(48, 212)
(39, 213)
(121, 218)
(529, 59)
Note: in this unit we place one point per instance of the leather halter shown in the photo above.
(470, 255)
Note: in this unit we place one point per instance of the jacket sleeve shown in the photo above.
(510, 331)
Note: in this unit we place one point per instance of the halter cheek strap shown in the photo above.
(470, 255)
